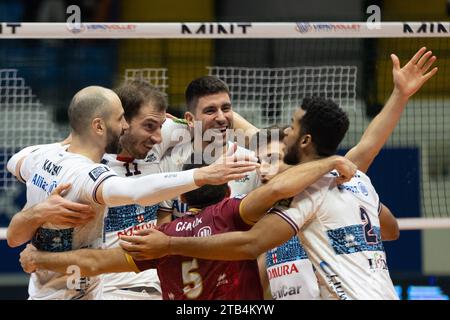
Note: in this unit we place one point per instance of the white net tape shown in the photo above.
(268, 96)
(24, 121)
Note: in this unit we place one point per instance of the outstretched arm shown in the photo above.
(91, 262)
(407, 81)
(152, 189)
(269, 232)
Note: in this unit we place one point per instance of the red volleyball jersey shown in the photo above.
(191, 278)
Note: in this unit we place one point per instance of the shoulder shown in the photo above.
(243, 151)
(175, 123)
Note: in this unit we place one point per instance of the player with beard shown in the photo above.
(97, 121)
(338, 224)
(211, 211)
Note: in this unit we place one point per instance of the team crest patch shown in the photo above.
(97, 172)
(285, 202)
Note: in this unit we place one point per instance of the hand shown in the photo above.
(59, 211)
(345, 168)
(226, 168)
(146, 244)
(413, 75)
(27, 259)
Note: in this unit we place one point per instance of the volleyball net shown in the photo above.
(269, 68)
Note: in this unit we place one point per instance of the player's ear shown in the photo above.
(189, 117)
(98, 125)
(305, 140)
(182, 198)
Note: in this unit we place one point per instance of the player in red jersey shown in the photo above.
(211, 212)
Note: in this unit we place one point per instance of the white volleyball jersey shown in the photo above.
(43, 170)
(126, 220)
(290, 273)
(340, 231)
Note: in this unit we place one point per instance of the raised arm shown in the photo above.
(269, 232)
(407, 81)
(91, 262)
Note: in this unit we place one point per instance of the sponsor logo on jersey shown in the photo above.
(285, 291)
(97, 172)
(377, 262)
(132, 230)
(281, 270)
(333, 280)
(188, 226)
(363, 189)
(222, 280)
(40, 182)
(179, 206)
(204, 232)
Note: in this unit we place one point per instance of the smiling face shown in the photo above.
(215, 113)
(144, 131)
(271, 157)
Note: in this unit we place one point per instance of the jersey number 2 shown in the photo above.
(369, 234)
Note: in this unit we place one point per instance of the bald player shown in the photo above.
(97, 121)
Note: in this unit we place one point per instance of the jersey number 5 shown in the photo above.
(371, 237)
(192, 280)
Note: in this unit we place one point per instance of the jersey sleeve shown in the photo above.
(298, 210)
(141, 265)
(92, 177)
(28, 154)
(166, 206)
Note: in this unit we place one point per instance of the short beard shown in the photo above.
(292, 156)
(112, 145)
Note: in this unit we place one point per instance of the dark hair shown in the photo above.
(201, 87)
(266, 135)
(206, 195)
(326, 122)
(135, 94)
